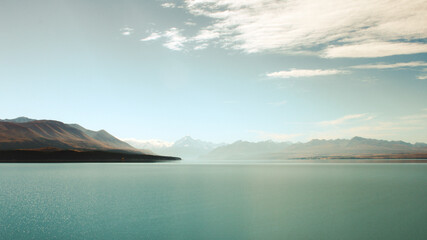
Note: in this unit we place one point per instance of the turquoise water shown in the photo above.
(213, 201)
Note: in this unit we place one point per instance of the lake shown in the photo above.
(213, 201)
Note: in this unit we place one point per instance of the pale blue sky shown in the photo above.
(219, 70)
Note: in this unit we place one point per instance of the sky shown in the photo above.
(220, 70)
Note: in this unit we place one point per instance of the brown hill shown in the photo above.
(104, 137)
(46, 133)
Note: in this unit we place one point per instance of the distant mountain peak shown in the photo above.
(187, 141)
(18, 120)
(357, 138)
(376, 141)
(186, 147)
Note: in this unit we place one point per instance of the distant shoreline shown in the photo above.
(357, 160)
(380, 157)
(74, 156)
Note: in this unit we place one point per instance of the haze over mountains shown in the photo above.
(246, 150)
(345, 148)
(354, 146)
(186, 147)
(357, 147)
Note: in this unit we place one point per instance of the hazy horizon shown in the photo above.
(219, 71)
(158, 143)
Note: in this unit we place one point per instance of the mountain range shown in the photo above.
(357, 147)
(30, 134)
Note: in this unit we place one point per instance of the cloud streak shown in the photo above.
(153, 36)
(392, 65)
(400, 128)
(126, 31)
(174, 39)
(374, 49)
(345, 119)
(293, 73)
(408, 128)
(168, 5)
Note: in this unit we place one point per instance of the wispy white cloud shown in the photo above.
(168, 5)
(345, 119)
(304, 73)
(201, 46)
(410, 128)
(362, 28)
(205, 35)
(416, 117)
(374, 49)
(175, 39)
(400, 128)
(391, 65)
(407, 128)
(422, 77)
(377, 129)
(126, 31)
(190, 23)
(153, 36)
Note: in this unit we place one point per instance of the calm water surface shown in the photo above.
(213, 201)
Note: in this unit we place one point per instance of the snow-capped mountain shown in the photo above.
(186, 147)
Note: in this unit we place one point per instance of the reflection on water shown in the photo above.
(213, 201)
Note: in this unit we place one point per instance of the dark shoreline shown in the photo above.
(74, 156)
